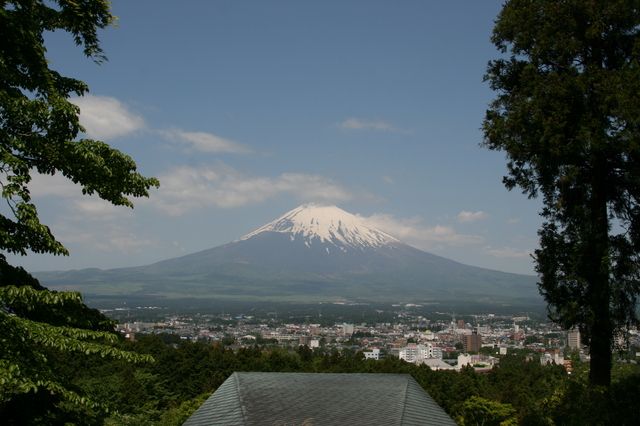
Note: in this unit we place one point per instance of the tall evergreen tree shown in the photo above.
(567, 115)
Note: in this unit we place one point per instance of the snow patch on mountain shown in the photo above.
(327, 224)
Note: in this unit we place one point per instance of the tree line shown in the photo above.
(165, 391)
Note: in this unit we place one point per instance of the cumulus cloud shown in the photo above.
(189, 188)
(53, 186)
(88, 222)
(361, 124)
(106, 118)
(58, 186)
(508, 252)
(468, 217)
(80, 207)
(205, 142)
(413, 231)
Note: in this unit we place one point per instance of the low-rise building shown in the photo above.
(373, 354)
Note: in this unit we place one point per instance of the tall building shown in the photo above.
(418, 353)
(412, 353)
(573, 338)
(347, 329)
(472, 342)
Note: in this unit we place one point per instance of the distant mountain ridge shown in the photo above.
(312, 252)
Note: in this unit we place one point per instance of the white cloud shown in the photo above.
(414, 232)
(108, 237)
(508, 252)
(53, 186)
(360, 124)
(388, 179)
(78, 206)
(96, 208)
(106, 118)
(189, 188)
(205, 142)
(468, 217)
(126, 242)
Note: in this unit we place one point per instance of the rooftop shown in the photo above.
(319, 399)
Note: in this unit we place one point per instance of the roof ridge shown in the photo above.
(404, 402)
(236, 377)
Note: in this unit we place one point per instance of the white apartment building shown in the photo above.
(418, 353)
(373, 354)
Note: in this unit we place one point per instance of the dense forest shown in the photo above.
(183, 374)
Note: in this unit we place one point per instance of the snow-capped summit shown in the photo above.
(326, 224)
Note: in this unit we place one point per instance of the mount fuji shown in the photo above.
(312, 252)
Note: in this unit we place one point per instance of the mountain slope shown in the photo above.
(319, 252)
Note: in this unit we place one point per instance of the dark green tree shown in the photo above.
(485, 412)
(567, 115)
(39, 133)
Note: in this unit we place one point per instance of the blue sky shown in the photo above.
(246, 109)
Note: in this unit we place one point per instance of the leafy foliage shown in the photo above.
(481, 411)
(567, 114)
(39, 129)
(39, 126)
(28, 347)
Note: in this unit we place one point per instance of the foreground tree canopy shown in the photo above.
(39, 131)
(39, 126)
(567, 114)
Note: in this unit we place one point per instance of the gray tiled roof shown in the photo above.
(319, 399)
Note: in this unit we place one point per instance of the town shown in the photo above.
(441, 340)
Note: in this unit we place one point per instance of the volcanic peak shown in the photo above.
(327, 224)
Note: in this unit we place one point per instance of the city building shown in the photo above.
(472, 342)
(437, 364)
(373, 354)
(479, 362)
(416, 354)
(347, 330)
(573, 339)
(305, 341)
(554, 357)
